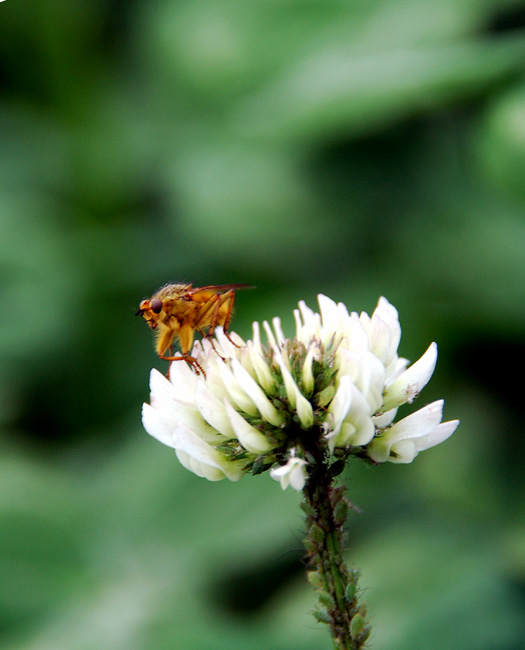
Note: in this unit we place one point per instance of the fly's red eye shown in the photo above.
(156, 306)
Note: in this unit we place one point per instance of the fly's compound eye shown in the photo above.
(156, 306)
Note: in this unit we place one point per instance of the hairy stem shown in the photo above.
(326, 509)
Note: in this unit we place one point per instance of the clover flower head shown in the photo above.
(338, 382)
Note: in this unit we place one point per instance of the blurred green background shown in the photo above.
(356, 148)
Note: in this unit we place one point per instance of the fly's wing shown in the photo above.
(219, 288)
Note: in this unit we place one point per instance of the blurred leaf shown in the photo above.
(340, 91)
(502, 140)
(40, 285)
(434, 586)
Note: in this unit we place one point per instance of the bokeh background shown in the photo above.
(356, 148)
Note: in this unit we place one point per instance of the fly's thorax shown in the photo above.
(173, 291)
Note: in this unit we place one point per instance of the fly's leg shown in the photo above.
(229, 297)
(213, 304)
(191, 361)
(228, 319)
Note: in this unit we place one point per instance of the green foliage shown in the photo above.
(353, 148)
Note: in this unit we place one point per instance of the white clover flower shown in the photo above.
(293, 473)
(402, 442)
(339, 383)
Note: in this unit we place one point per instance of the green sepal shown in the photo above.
(326, 396)
(326, 600)
(350, 591)
(341, 511)
(322, 616)
(364, 634)
(356, 625)
(310, 546)
(314, 578)
(316, 533)
(258, 466)
(307, 509)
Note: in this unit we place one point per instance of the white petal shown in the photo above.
(214, 380)
(356, 334)
(357, 432)
(279, 472)
(257, 338)
(381, 339)
(188, 441)
(441, 433)
(163, 392)
(184, 381)
(235, 388)
(340, 405)
(269, 334)
(304, 411)
(311, 328)
(395, 369)
(408, 386)
(384, 419)
(374, 394)
(416, 432)
(293, 473)
(403, 452)
(343, 436)
(379, 449)
(298, 478)
(263, 404)
(200, 469)
(366, 372)
(245, 358)
(297, 400)
(406, 450)
(357, 428)
(365, 430)
(309, 317)
(350, 364)
(335, 320)
(159, 424)
(227, 347)
(167, 412)
(262, 371)
(386, 310)
(164, 397)
(205, 454)
(212, 410)
(417, 424)
(277, 328)
(307, 371)
(330, 317)
(299, 327)
(192, 418)
(385, 331)
(249, 437)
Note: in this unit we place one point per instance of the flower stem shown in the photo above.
(326, 510)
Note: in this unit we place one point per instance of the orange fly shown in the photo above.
(177, 311)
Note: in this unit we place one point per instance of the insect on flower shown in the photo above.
(177, 311)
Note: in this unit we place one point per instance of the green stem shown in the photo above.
(326, 508)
